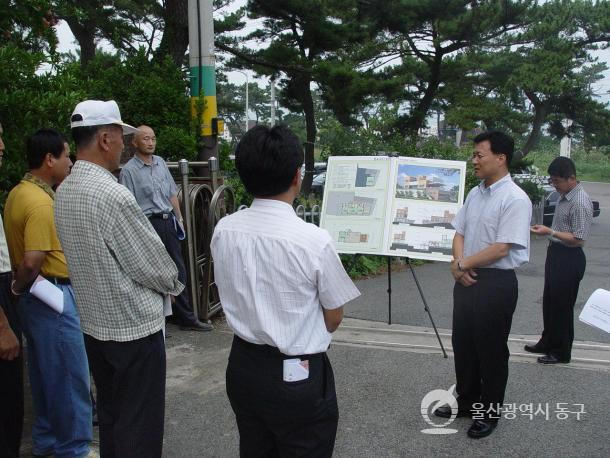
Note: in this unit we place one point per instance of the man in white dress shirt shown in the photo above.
(282, 287)
(491, 240)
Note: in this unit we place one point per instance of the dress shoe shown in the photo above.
(197, 326)
(550, 359)
(535, 349)
(481, 428)
(445, 412)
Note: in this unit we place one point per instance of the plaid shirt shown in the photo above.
(574, 213)
(118, 265)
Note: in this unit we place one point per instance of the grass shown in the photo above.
(590, 166)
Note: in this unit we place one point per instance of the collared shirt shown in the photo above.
(500, 213)
(30, 226)
(5, 260)
(275, 273)
(574, 213)
(152, 184)
(119, 267)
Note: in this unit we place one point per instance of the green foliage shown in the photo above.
(175, 143)
(227, 168)
(591, 165)
(363, 265)
(533, 191)
(147, 93)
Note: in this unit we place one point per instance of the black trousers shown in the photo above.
(277, 418)
(482, 317)
(130, 382)
(11, 381)
(563, 271)
(181, 308)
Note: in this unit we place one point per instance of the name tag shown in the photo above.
(296, 370)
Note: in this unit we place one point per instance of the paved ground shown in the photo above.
(380, 392)
(380, 386)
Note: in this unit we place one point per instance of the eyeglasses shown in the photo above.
(555, 180)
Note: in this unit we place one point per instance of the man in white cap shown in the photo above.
(120, 271)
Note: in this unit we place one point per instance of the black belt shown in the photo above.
(59, 281)
(160, 216)
(6, 274)
(271, 351)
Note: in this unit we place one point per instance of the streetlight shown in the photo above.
(246, 75)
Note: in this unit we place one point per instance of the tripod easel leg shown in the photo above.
(389, 289)
(421, 293)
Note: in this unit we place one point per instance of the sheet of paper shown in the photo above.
(167, 305)
(296, 370)
(48, 293)
(596, 311)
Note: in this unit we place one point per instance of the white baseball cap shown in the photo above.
(99, 113)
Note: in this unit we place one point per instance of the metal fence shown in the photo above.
(207, 200)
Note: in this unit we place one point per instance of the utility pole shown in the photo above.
(272, 102)
(203, 77)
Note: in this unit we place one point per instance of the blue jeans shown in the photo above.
(59, 377)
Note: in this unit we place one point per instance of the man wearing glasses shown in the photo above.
(565, 262)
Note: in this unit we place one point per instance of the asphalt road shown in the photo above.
(380, 393)
(437, 284)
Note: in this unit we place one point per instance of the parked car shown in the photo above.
(551, 197)
(317, 185)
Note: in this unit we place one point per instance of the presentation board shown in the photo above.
(393, 206)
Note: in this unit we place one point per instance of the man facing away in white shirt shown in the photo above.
(282, 287)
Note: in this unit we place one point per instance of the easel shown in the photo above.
(419, 288)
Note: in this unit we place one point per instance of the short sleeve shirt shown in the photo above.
(151, 184)
(500, 213)
(574, 213)
(275, 273)
(30, 226)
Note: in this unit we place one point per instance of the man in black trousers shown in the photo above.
(565, 262)
(148, 178)
(282, 288)
(491, 240)
(11, 364)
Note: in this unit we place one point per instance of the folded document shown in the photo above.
(48, 293)
(596, 311)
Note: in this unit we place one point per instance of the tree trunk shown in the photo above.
(540, 113)
(175, 40)
(310, 128)
(417, 119)
(85, 35)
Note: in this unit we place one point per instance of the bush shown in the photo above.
(147, 93)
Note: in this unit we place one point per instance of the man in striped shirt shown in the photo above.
(282, 288)
(565, 262)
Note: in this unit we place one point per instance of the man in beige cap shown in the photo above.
(120, 271)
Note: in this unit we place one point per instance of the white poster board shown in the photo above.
(392, 206)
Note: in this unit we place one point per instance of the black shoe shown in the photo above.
(481, 428)
(445, 412)
(535, 349)
(197, 326)
(550, 359)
